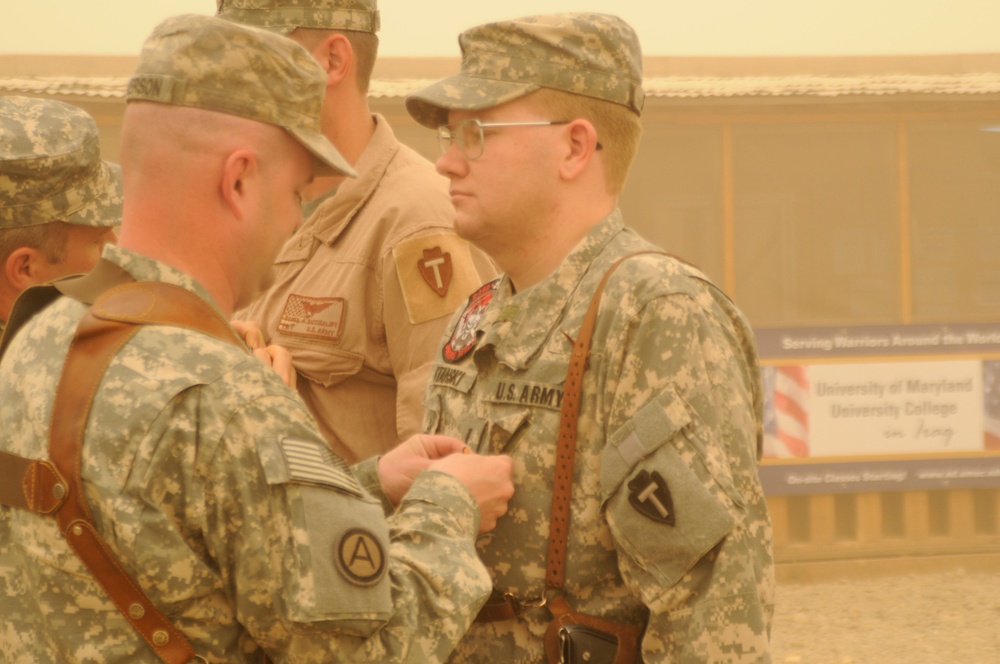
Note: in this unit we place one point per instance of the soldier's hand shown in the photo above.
(399, 467)
(278, 358)
(488, 479)
(252, 335)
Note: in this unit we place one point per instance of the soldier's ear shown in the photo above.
(235, 182)
(336, 55)
(581, 143)
(24, 267)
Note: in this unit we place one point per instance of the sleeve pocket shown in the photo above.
(663, 442)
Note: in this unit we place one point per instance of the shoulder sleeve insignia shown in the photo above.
(435, 268)
(359, 557)
(313, 462)
(463, 338)
(649, 494)
(436, 273)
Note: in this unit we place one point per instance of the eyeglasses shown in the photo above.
(469, 134)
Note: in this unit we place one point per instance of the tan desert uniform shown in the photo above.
(206, 475)
(365, 288)
(363, 292)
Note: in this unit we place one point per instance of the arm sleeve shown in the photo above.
(678, 474)
(315, 571)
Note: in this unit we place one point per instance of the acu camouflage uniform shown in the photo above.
(51, 168)
(668, 523)
(207, 476)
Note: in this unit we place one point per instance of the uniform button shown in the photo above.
(136, 612)
(160, 638)
(59, 491)
(77, 530)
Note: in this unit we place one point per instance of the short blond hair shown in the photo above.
(364, 45)
(618, 128)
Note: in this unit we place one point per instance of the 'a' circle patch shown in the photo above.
(360, 557)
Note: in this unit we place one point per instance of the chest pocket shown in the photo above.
(323, 365)
(669, 499)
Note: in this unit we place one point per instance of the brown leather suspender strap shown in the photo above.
(102, 332)
(504, 606)
(555, 570)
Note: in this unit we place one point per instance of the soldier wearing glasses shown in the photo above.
(668, 530)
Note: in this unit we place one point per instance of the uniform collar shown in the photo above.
(143, 268)
(337, 212)
(519, 323)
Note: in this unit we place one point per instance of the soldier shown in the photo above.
(205, 475)
(659, 522)
(364, 289)
(59, 203)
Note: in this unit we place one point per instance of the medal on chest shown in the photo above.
(463, 338)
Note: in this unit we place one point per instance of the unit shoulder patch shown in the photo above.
(436, 273)
(650, 495)
(463, 338)
(359, 557)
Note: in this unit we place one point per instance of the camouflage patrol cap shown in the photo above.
(51, 167)
(596, 55)
(283, 16)
(215, 65)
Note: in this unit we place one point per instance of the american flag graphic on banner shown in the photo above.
(991, 405)
(786, 416)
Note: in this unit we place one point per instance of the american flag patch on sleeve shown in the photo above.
(314, 462)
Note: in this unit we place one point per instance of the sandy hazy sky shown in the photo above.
(665, 27)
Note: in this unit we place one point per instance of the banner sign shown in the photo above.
(929, 395)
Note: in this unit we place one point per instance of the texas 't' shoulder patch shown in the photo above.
(436, 273)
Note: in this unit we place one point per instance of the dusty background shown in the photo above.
(947, 617)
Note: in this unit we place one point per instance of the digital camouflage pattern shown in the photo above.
(189, 466)
(671, 391)
(283, 16)
(215, 65)
(51, 167)
(596, 55)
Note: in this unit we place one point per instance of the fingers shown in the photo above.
(432, 446)
(252, 335)
(279, 359)
(488, 479)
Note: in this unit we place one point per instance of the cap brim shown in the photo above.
(104, 207)
(430, 106)
(327, 160)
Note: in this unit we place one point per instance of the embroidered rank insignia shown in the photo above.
(314, 463)
(648, 493)
(316, 317)
(435, 268)
(463, 338)
(359, 557)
